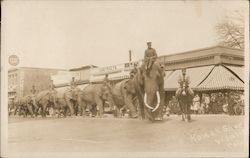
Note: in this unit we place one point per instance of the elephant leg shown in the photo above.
(30, 110)
(19, 110)
(141, 107)
(74, 107)
(36, 110)
(99, 103)
(70, 106)
(80, 110)
(22, 111)
(83, 107)
(148, 114)
(25, 111)
(44, 107)
(94, 110)
(116, 112)
(182, 111)
(185, 111)
(64, 111)
(129, 103)
(77, 109)
(121, 112)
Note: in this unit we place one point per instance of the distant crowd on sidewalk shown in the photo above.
(231, 103)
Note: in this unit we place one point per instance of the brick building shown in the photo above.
(23, 80)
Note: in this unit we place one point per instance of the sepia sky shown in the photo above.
(68, 34)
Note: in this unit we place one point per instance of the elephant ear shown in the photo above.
(100, 92)
(140, 77)
(162, 70)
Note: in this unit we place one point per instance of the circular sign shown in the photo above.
(13, 60)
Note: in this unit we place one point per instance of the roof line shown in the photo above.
(207, 75)
(16, 68)
(201, 49)
(232, 72)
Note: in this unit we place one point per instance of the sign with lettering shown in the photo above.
(13, 60)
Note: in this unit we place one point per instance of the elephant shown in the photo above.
(70, 98)
(45, 99)
(93, 95)
(123, 96)
(25, 105)
(61, 107)
(185, 99)
(149, 85)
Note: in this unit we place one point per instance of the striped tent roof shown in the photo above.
(197, 75)
(221, 78)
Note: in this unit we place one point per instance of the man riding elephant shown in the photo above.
(149, 85)
(149, 56)
(148, 82)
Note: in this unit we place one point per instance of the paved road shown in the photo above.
(205, 133)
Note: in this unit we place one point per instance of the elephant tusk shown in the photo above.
(145, 102)
(158, 101)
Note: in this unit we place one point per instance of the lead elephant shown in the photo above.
(123, 96)
(93, 94)
(149, 86)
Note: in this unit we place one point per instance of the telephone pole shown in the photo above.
(130, 55)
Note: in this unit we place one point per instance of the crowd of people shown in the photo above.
(231, 103)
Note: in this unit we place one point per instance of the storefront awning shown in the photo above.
(197, 75)
(220, 79)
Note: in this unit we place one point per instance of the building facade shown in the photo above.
(201, 64)
(81, 75)
(203, 57)
(23, 81)
(115, 72)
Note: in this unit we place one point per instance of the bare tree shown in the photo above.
(231, 31)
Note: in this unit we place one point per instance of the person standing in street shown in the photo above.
(196, 104)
